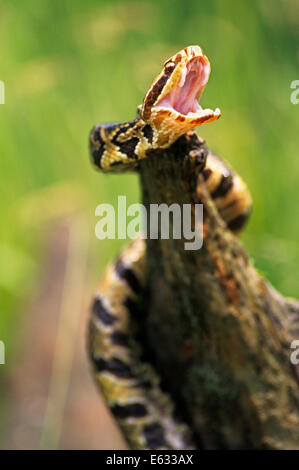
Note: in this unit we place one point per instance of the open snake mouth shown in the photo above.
(183, 97)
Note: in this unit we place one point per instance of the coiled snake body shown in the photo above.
(130, 387)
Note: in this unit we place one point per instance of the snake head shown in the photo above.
(171, 105)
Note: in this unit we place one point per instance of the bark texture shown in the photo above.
(217, 331)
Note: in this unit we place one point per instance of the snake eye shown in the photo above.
(169, 66)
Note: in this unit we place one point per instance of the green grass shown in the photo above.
(70, 64)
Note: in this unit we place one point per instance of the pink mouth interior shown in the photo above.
(183, 97)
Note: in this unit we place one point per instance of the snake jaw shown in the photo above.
(169, 110)
(186, 89)
(171, 105)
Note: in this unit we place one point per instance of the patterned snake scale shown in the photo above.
(131, 387)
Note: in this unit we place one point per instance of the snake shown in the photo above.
(146, 413)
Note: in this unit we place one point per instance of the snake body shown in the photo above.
(130, 386)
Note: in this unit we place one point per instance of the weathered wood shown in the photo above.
(218, 333)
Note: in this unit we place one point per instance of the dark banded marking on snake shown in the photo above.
(238, 222)
(120, 338)
(154, 93)
(128, 275)
(129, 384)
(123, 131)
(133, 410)
(113, 365)
(155, 435)
(206, 173)
(101, 312)
(129, 147)
(224, 186)
(148, 132)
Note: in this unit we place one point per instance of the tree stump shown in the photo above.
(218, 333)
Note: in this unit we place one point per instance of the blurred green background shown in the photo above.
(68, 64)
